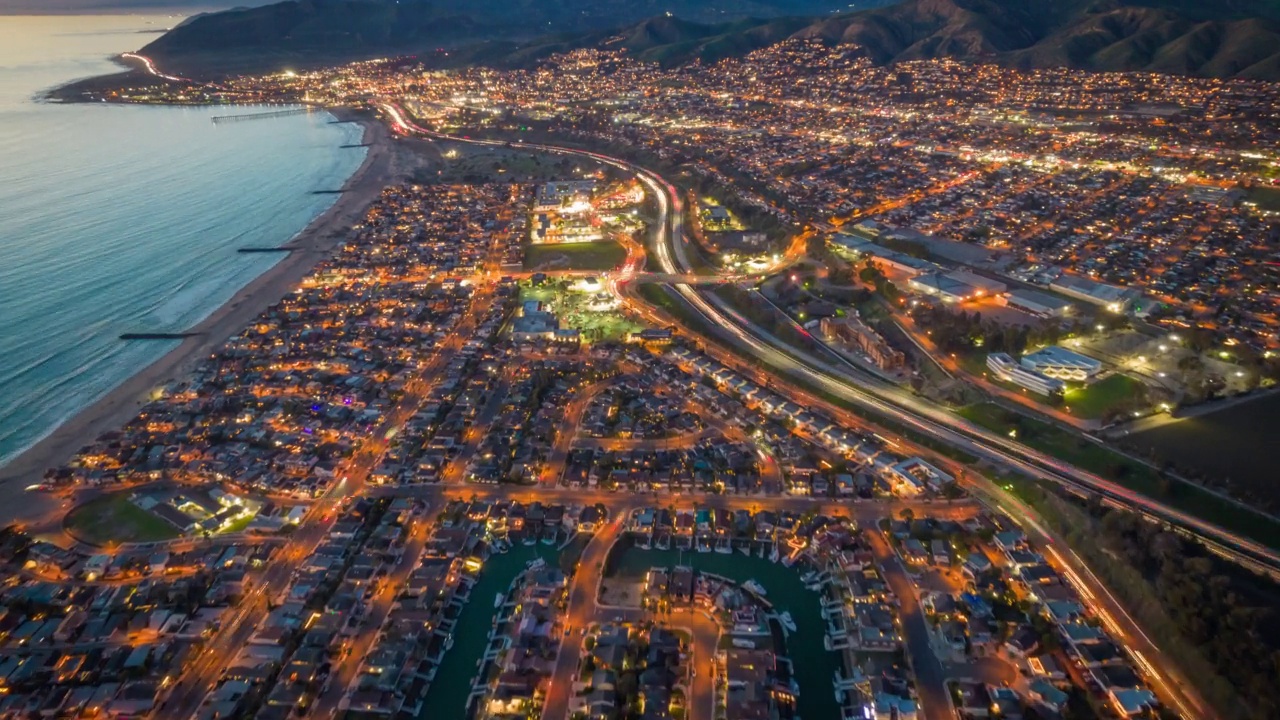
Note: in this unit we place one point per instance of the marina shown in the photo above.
(474, 632)
(813, 671)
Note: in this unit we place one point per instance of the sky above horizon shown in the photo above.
(58, 7)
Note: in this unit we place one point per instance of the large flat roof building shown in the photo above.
(857, 246)
(1037, 303)
(956, 286)
(1111, 297)
(561, 192)
(1059, 362)
(1005, 368)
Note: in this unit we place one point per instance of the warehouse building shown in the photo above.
(1037, 303)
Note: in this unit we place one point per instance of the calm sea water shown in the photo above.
(118, 219)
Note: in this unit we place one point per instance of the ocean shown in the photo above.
(121, 219)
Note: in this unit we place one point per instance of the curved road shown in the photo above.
(904, 408)
(872, 393)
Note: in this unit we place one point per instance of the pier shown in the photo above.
(219, 119)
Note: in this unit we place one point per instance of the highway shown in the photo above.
(852, 385)
(849, 383)
(150, 67)
(872, 393)
(935, 422)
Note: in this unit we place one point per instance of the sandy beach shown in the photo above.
(316, 242)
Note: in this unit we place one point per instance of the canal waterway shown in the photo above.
(814, 666)
(447, 696)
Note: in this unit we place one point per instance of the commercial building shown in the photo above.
(858, 247)
(563, 213)
(982, 285)
(1059, 362)
(558, 195)
(1113, 298)
(534, 323)
(956, 287)
(1037, 303)
(942, 287)
(913, 476)
(863, 338)
(1004, 368)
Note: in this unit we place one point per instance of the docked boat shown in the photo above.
(745, 549)
(754, 587)
(788, 623)
(536, 564)
(773, 556)
(723, 546)
(703, 545)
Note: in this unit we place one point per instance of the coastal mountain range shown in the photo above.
(111, 7)
(1225, 38)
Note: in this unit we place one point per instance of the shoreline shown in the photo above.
(121, 404)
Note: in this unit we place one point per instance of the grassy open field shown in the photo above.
(114, 519)
(1085, 401)
(1268, 198)
(574, 311)
(1094, 400)
(601, 255)
(1102, 461)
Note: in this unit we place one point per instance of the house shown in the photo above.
(681, 585)
(1024, 641)
(590, 518)
(913, 552)
(1131, 701)
(1005, 702)
(1046, 666)
(941, 554)
(1044, 693)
